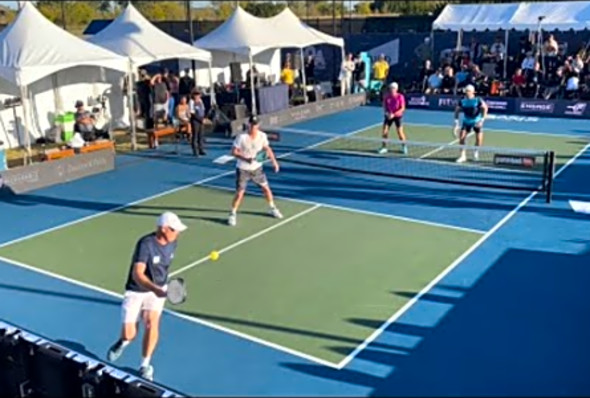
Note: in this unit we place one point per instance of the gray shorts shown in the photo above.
(243, 176)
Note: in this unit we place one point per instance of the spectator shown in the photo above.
(528, 64)
(310, 69)
(197, 109)
(534, 79)
(144, 90)
(288, 76)
(518, 83)
(578, 63)
(554, 85)
(424, 50)
(551, 50)
(161, 97)
(434, 82)
(346, 70)
(572, 85)
(186, 83)
(252, 75)
(183, 114)
(381, 69)
(173, 88)
(498, 53)
(85, 124)
(449, 83)
(524, 47)
(425, 73)
(359, 75)
(462, 76)
(475, 51)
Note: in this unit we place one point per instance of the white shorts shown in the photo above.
(136, 302)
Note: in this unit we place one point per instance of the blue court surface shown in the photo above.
(506, 315)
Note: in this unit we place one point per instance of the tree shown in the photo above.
(264, 9)
(363, 8)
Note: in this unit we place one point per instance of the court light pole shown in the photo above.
(63, 14)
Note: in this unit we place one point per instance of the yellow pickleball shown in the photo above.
(214, 255)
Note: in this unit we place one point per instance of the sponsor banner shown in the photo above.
(578, 108)
(513, 160)
(305, 112)
(536, 106)
(419, 101)
(40, 175)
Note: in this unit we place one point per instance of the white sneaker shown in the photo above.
(147, 372)
(462, 159)
(476, 156)
(276, 213)
(382, 151)
(232, 220)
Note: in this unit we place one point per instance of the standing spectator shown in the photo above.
(551, 49)
(345, 77)
(197, 109)
(359, 75)
(518, 83)
(186, 84)
(524, 47)
(449, 83)
(475, 51)
(310, 69)
(144, 97)
(161, 97)
(288, 76)
(434, 82)
(173, 87)
(424, 50)
(554, 85)
(498, 53)
(252, 75)
(534, 79)
(380, 69)
(425, 73)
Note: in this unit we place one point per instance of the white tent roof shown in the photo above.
(300, 34)
(242, 33)
(133, 36)
(32, 47)
(564, 15)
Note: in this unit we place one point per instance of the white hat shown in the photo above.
(469, 88)
(394, 85)
(169, 219)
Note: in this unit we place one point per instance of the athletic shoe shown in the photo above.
(476, 156)
(232, 220)
(147, 372)
(382, 151)
(115, 351)
(404, 149)
(461, 159)
(276, 213)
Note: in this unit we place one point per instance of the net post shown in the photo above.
(550, 175)
(545, 171)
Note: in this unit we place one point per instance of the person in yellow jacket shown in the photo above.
(380, 69)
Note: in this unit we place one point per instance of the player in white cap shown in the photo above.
(394, 105)
(145, 290)
(474, 111)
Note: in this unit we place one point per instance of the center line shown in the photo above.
(249, 238)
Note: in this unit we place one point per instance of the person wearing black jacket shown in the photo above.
(197, 108)
(186, 84)
(359, 75)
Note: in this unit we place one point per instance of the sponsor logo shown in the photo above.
(537, 106)
(576, 109)
(513, 160)
(447, 102)
(497, 105)
(513, 118)
(419, 101)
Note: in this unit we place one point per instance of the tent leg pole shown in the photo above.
(131, 104)
(506, 34)
(304, 78)
(27, 131)
(252, 88)
(211, 88)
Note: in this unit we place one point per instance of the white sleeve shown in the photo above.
(265, 140)
(238, 141)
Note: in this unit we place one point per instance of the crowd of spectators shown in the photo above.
(547, 71)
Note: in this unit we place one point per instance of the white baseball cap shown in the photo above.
(394, 85)
(469, 88)
(171, 220)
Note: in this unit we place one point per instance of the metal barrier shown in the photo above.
(31, 366)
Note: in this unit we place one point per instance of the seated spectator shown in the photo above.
(85, 124)
(534, 79)
(578, 63)
(434, 82)
(528, 64)
(572, 85)
(518, 83)
(380, 69)
(449, 84)
(462, 76)
(479, 79)
(554, 85)
(183, 114)
(524, 47)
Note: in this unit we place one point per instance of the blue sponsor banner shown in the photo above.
(512, 106)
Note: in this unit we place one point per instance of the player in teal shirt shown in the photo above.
(474, 111)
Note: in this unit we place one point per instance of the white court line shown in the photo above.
(447, 270)
(357, 211)
(245, 240)
(170, 191)
(196, 320)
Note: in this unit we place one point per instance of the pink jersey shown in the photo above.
(395, 102)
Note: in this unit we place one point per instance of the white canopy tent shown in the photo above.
(246, 35)
(33, 48)
(565, 15)
(133, 36)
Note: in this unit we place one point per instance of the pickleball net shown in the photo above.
(495, 168)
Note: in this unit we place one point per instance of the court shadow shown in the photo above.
(519, 329)
(79, 348)
(46, 292)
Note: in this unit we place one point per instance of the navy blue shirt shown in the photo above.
(157, 258)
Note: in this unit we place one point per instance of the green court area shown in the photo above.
(311, 282)
(565, 147)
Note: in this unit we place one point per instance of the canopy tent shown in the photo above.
(33, 48)
(564, 15)
(133, 36)
(245, 34)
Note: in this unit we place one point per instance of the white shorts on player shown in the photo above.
(135, 303)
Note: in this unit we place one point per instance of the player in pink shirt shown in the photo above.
(394, 105)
